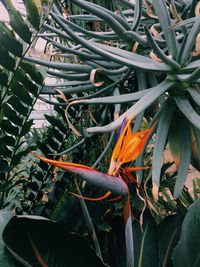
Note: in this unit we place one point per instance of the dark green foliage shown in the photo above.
(47, 242)
(104, 60)
(19, 92)
(186, 253)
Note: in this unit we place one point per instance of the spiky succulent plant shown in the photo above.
(144, 55)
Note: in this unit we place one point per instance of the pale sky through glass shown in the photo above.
(3, 13)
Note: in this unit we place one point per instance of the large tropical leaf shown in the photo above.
(5, 258)
(187, 252)
(37, 241)
(154, 245)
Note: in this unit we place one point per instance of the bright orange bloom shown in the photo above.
(128, 147)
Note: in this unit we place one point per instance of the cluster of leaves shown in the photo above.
(140, 62)
(150, 49)
(21, 83)
(165, 244)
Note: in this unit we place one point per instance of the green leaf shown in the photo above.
(53, 144)
(165, 22)
(56, 123)
(61, 66)
(193, 77)
(23, 78)
(8, 39)
(174, 143)
(125, 98)
(180, 146)
(4, 167)
(17, 22)
(164, 122)
(195, 138)
(97, 35)
(159, 52)
(33, 72)
(184, 22)
(12, 115)
(36, 240)
(21, 92)
(169, 231)
(6, 259)
(109, 18)
(58, 134)
(146, 243)
(187, 109)
(26, 127)
(154, 246)
(130, 59)
(189, 45)
(139, 106)
(186, 253)
(6, 60)
(120, 56)
(137, 15)
(194, 93)
(5, 151)
(16, 103)
(32, 13)
(8, 127)
(18, 156)
(8, 140)
(3, 78)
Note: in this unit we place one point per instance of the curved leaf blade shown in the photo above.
(36, 240)
(6, 259)
(169, 231)
(17, 22)
(186, 253)
(165, 21)
(160, 142)
(180, 146)
(187, 109)
(32, 13)
(141, 105)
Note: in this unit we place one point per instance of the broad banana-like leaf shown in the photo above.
(6, 260)
(186, 253)
(146, 243)
(154, 246)
(37, 241)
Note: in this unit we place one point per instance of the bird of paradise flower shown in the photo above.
(127, 148)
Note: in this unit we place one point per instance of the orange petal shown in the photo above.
(93, 199)
(114, 163)
(133, 146)
(61, 164)
(131, 169)
(119, 143)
